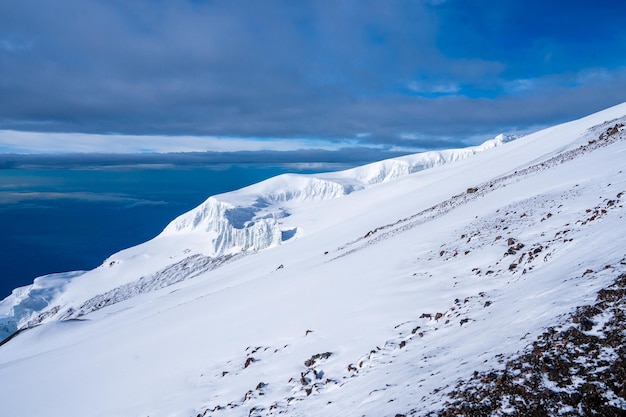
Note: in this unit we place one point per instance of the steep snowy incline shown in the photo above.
(386, 299)
(249, 219)
(242, 221)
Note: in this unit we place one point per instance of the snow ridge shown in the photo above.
(246, 220)
(250, 219)
(388, 230)
(189, 267)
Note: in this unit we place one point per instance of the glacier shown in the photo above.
(250, 219)
(245, 220)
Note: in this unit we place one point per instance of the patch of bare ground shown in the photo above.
(577, 370)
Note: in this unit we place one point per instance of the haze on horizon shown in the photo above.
(195, 75)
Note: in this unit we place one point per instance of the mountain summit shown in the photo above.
(486, 280)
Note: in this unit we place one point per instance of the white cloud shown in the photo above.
(593, 75)
(43, 143)
(18, 197)
(520, 85)
(434, 88)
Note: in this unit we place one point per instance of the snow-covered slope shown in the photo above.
(233, 223)
(249, 219)
(282, 298)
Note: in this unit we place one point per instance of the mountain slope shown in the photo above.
(233, 223)
(376, 303)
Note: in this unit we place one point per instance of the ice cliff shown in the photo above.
(250, 219)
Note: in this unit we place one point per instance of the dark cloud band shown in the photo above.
(384, 72)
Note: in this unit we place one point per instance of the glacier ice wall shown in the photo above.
(249, 219)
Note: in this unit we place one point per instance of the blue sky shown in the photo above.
(285, 75)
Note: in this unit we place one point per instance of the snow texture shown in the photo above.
(389, 289)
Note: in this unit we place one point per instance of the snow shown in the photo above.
(250, 219)
(401, 270)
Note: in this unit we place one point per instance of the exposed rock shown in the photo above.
(249, 361)
(313, 359)
(564, 372)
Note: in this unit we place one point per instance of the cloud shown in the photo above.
(47, 143)
(428, 89)
(355, 155)
(296, 71)
(11, 198)
(520, 85)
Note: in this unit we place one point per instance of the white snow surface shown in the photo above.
(364, 292)
(251, 218)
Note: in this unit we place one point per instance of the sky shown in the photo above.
(211, 75)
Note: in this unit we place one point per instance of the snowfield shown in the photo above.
(413, 286)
